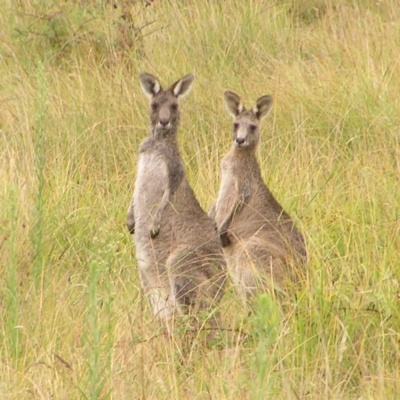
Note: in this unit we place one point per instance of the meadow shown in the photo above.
(74, 323)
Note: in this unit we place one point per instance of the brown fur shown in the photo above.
(261, 244)
(179, 254)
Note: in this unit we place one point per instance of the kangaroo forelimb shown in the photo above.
(130, 220)
(156, 219)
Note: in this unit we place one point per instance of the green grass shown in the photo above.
(73, 320)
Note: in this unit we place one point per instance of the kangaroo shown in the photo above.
(259, 239)
(181, 263)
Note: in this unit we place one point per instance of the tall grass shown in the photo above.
(73, 321)
(40, 161)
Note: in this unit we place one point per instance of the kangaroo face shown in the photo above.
(164, 112)
(246, 125)
(164, 104)
(246, 130)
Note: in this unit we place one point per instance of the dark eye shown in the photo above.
(154, 106)
(174, 106)
(235, 126)
(253, 128)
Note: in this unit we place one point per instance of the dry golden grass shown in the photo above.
(74, 323)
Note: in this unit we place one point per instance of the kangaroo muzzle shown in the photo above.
(164, 117)
(240, 137)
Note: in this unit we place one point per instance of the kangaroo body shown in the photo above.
(179, 255)
(261, 244)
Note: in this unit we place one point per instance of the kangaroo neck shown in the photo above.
(166, 137)
(246, 156)
(160, 142)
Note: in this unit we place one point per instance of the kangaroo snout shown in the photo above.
(164, 117)
(163, 124)
(239, 141)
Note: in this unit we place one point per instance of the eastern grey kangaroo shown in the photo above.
(261, 244)
(180, 259)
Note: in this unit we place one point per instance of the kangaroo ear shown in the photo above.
(150, 85)
(263, 107)
(182, 87)
(233, 103)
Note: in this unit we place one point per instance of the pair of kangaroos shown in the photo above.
(184, 254)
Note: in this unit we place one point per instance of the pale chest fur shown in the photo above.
(228, 192)
(151, 181)
(242, 185)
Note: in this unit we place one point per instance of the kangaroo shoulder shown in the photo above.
(147, 145)
(228, 159)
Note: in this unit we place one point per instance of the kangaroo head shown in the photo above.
(246, 125)
(164, 104)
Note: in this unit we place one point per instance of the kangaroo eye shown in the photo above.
(235, 126)
(154, 106)
(253, 128)
(174, 106)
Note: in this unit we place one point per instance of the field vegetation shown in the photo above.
(73, 320)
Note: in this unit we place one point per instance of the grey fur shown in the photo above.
(261, 244)
(179, 255)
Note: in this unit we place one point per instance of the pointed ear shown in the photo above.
(233, 103)
(182, 87)
(263, 107)
(150, 85)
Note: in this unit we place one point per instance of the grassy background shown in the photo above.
(73, 323)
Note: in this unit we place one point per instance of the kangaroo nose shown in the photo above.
(164, 121)
(164, 116)
(240, 140)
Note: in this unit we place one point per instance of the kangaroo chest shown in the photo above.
(151, 181)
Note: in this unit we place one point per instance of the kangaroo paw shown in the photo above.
(225, 240)
(154, 231)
